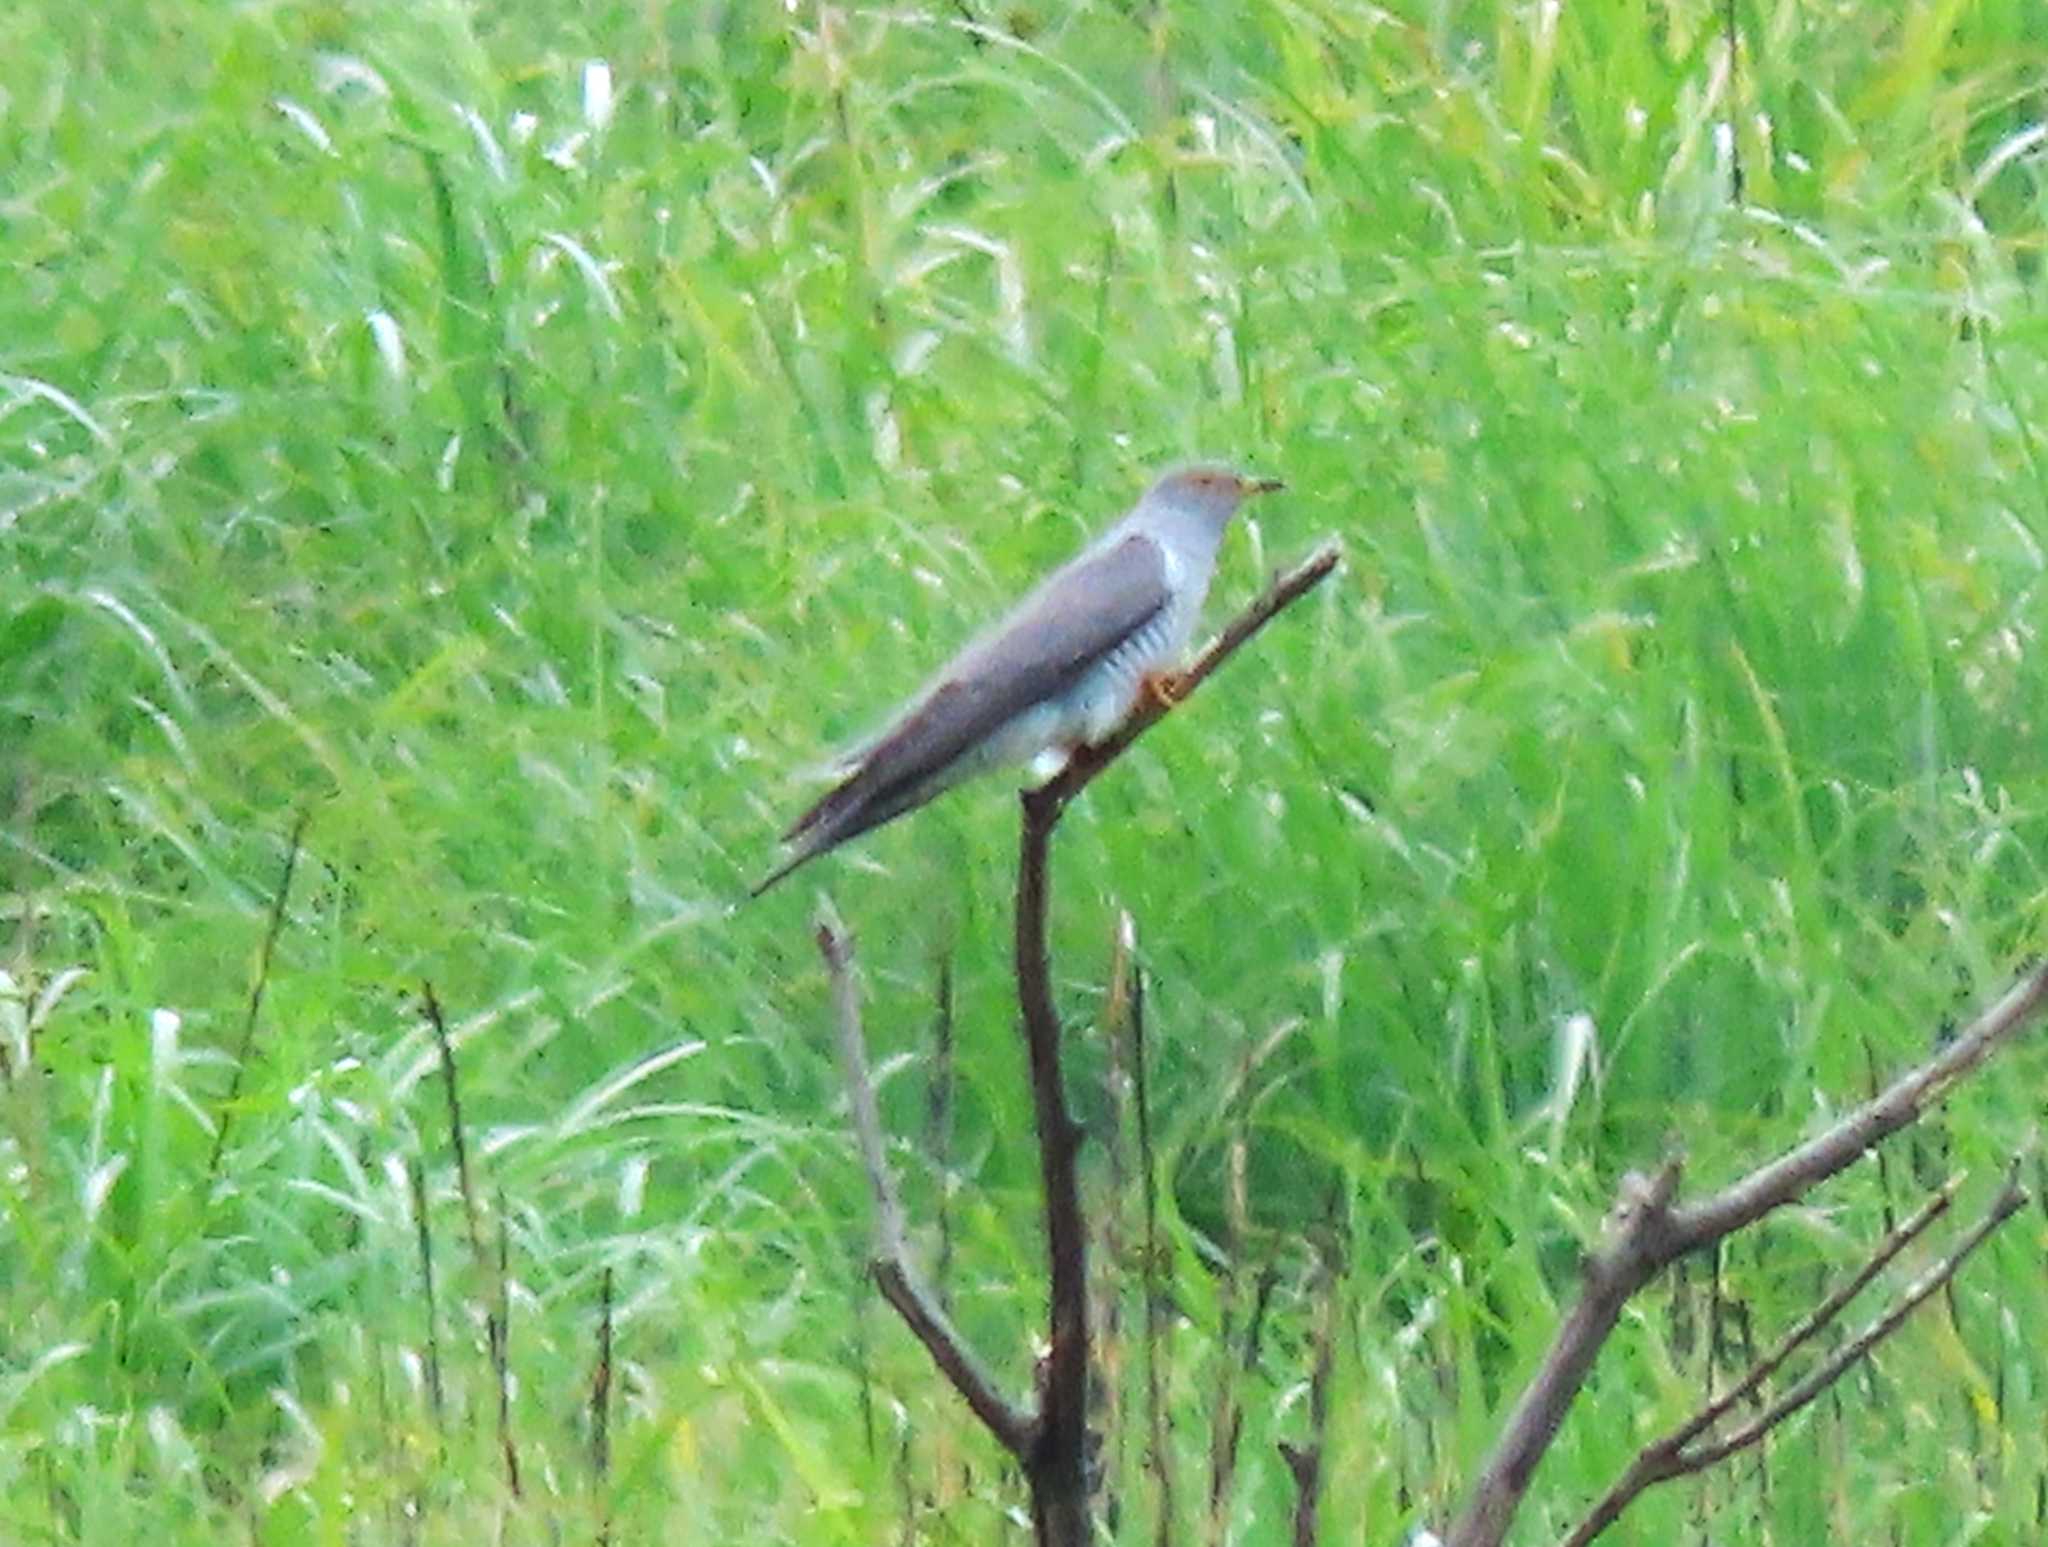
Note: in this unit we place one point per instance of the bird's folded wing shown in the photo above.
(1071, 622)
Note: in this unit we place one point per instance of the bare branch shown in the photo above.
(1227, 1423)
(1795, 1173)
(889, 1259)
(1057, 1464)
(837, 950)
(1818, 1318)
(424, 1235)
(1665, 1457)
(1648, 1232)
(446, 1045)
(601, 1388)
(938, 1126)
(2010, 1200)
(498, 1331)
(247, 1044)
(1113, 1268)
(1305, 1461)
(1148, 1274)
(1622, 1267)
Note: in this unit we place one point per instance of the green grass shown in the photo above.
(528, 498)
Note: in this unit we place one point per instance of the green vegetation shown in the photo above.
(527, 495)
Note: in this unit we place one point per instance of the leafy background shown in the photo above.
(522, 439)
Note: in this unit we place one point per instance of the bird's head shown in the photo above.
(1209, 492)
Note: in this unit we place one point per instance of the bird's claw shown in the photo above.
(1164, 689)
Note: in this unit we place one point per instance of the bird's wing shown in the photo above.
(1078, 616)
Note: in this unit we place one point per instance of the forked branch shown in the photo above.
(889, 1257)
(1687, 1450)
(1648, 1231)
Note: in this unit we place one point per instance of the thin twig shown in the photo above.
(1665, 1457)
(1148, 1278)
(1648, 1231)
(1305, 1462)
(2010, 1200)
(601, 1385)
(938, 1128)
(446, 1046)
(416, 1173)
(1227, 1424)
(889, 1261)
(498, 1326)
(949, 1460)
(601, 1411)
(247, 1043)
(1114, 1264)
(1229, 1429)
(1734, 42)
(1817, 1319)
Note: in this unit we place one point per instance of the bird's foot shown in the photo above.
(1163, 689)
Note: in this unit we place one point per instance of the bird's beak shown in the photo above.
(1263, 486)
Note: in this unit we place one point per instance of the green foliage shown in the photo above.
(525, 483)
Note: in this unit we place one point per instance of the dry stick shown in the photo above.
(1056, 1464)
(1665, 1457)
(1148, 1282)
(1305, 1462)
(1051, 1444)
(498, 1326)
(938, 1133)
(418, 1175)
(461, 1146)
(1229, 1430)
(1227, 1425)
(1112, 1344)
(889, 1258)
(1647, 1232)
(601, 1385)
(1735, 179)
(256, 990)
(938, 1126)
(1669, 1458)
(601, 1409)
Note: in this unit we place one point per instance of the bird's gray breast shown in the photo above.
(1103, 696)
(1098, 703)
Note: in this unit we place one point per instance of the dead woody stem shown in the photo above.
(1648, 1231)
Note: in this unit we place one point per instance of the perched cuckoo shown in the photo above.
(1060, 672)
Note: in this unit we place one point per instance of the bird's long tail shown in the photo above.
(846, 811)
(799, 857)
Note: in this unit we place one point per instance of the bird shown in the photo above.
(1062, 671)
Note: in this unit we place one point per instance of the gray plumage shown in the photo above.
(1060, 672)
